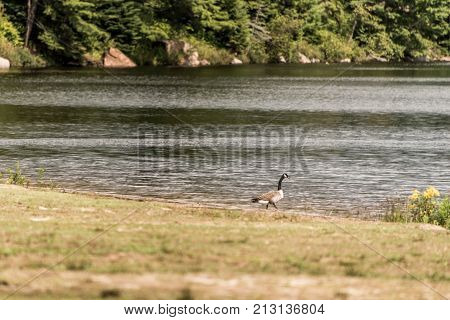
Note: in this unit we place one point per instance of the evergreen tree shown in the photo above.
(67, 30)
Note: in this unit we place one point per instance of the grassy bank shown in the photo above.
(164, 250)
(19, 56)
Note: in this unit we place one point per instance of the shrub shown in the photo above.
(395, 210)
(441, 215)
(7, 30)
(425, 207)
(284, 32)
(307, 49)
(209, 52)
(422, 205)
(18, 56)
(15, 176)
(334, 47)
(256, 52)
(380, 44)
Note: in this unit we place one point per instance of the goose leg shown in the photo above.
(267, 207)
(275, 205)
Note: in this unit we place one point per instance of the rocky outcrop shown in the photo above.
(114, 58)
(374, 58)
(303, 59)
(345, 60)
(422, 59)
(175, 47)
(236, 61)
(187, 55)
(192, 60)
(315, 60)
(444, 59)
(204, 63)
(281, 59)
(4, 63)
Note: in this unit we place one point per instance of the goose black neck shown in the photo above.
(279, 182)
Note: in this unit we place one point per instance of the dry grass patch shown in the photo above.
(175, 243)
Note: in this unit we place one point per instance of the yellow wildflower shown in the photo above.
(431, 192)
(415, 195)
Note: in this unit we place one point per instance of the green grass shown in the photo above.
(166, 250)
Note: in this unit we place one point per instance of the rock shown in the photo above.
(174, 47)
(114, 58)
(345, 60)
(204, 62)
(303, 59)
(89, 60)
(314, 60)
(422, 59)
(281, 59)
(187, 55)
(236, 61)
(4, 63)
(192, 60)
(373, 58)
(444, 59)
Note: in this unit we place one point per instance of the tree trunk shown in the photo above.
(31, 13)
(353, 30)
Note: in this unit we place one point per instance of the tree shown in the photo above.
(31, 14)
(68, 30)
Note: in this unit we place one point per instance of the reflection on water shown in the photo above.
(221, 135)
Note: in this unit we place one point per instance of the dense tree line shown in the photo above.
(68, 31)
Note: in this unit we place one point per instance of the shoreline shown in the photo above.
(181, 202)
(181, 67)
(354, 213)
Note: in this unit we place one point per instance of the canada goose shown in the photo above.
(272, 197)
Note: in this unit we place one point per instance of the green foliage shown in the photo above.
(123, 21)
(7, 30)
(441, 216)
(15, 176)
(19, 56)
(425, 207)
(284, 32)
(40, 175)
(259, 31)
(256, 52)
(335, 47)
(211, 53)
(308, 49)
(11, 44)
(381, 44)
(68, 30)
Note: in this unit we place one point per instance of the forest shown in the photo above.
(78, 32)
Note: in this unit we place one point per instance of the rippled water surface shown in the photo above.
(349, 136)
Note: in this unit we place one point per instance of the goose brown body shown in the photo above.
(272, 197)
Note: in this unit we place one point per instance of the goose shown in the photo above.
(272, 197)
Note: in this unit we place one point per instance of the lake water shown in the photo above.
(349, 136)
